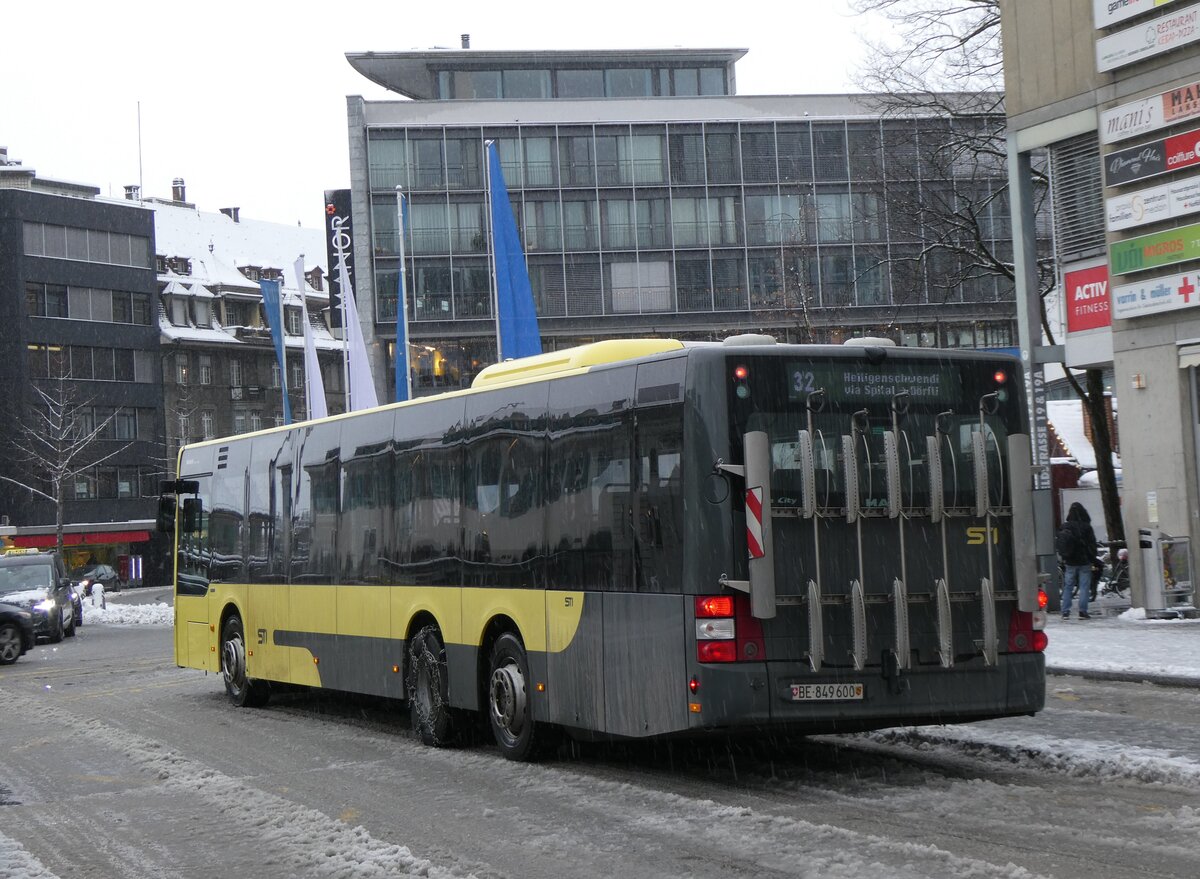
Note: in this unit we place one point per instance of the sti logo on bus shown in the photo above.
(977, 536)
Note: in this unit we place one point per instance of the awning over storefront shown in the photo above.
(97, 538)
(1189, 354)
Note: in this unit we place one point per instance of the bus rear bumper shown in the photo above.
(790, 696)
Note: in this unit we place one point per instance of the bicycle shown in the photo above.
(1115, 578)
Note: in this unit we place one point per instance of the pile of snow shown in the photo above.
(1128, 643)
(157, 614)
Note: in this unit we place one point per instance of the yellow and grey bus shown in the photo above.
(634, 538)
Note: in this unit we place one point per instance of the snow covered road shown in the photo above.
(119, 764)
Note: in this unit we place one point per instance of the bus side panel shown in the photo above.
(575, 659)
(267, 612)
(645, 668)
(313, 610)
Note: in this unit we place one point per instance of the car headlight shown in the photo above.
(45, 605)
(84, 582)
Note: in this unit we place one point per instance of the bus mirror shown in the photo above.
(808, 475)
(891, 455)
(165, 520)
(193, 511)
(979, 452)
(850, 460)
(933, 463)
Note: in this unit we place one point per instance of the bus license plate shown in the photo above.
(826, 692)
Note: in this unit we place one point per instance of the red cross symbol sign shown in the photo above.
(1186, 289)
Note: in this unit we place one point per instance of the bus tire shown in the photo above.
(244, 691)
(510, 711)
(428, 693)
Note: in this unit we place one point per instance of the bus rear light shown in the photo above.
(709, 606)
(716, 651)
(1023, 636)
(715, 630)
(1043, 599)
(694, 684)
(726, 631)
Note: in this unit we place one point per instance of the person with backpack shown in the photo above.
(1075, 544)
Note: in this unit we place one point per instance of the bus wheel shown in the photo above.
(244, 691)
(428, 696)
(509, 709)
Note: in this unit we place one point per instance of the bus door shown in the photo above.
(270, 481)
(192, 557)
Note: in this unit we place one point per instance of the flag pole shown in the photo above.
(287, 403)
(402, 306)
(342, 276)
(491, 244)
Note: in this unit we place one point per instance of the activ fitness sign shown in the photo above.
(1153, 158)
(1155, 295)
(1087, 298)
(1152, 251)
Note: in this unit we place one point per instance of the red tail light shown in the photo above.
(1022, 636)
(726, 631)
(1043, 599)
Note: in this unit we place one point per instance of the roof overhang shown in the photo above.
(414, 73)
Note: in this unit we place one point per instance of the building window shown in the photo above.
(235, 373)
(631, 82)
(206, 425)
(580, 83)
(239, 422)
(181, 369)
(204, 366)
(125, 424)
(297, 379)
(275, 374)
(123, 365)
(293, 320)
(184, 423)
(255, 421)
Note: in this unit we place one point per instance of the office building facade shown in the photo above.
(652, 200)
(78, 302)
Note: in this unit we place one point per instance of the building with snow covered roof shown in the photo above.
(220, 372)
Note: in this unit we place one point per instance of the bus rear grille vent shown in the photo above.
(222, 457)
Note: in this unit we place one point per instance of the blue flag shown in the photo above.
(515, 314)
(402, 374)
(272, 292)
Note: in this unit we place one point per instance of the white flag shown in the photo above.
(360, 384)
(314, 387)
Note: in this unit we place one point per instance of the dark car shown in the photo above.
(38, 583)
(16, 633)
(89, 575)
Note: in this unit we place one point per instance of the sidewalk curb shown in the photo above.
(1135, 677)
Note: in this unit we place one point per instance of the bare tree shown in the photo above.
(57, 439)
(944, 59)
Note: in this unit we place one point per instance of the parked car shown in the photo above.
(89, 575)
(38, 583)
(16, 633)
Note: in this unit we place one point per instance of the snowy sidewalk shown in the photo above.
(1128, 647)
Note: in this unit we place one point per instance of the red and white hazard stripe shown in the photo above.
(754, 525)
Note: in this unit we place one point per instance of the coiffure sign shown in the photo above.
(1108, 12)
(1148, 39)
(1151, 159)
(1087, 298)
(1150, 114)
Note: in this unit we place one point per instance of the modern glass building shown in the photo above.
(652, 200)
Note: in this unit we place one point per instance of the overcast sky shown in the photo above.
(246, 100)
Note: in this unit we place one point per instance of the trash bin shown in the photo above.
(1167, 572)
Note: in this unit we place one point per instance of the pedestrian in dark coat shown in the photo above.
(1076, 547)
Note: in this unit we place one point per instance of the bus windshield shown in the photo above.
(860, 419)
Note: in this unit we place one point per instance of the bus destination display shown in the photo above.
(924, 383)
